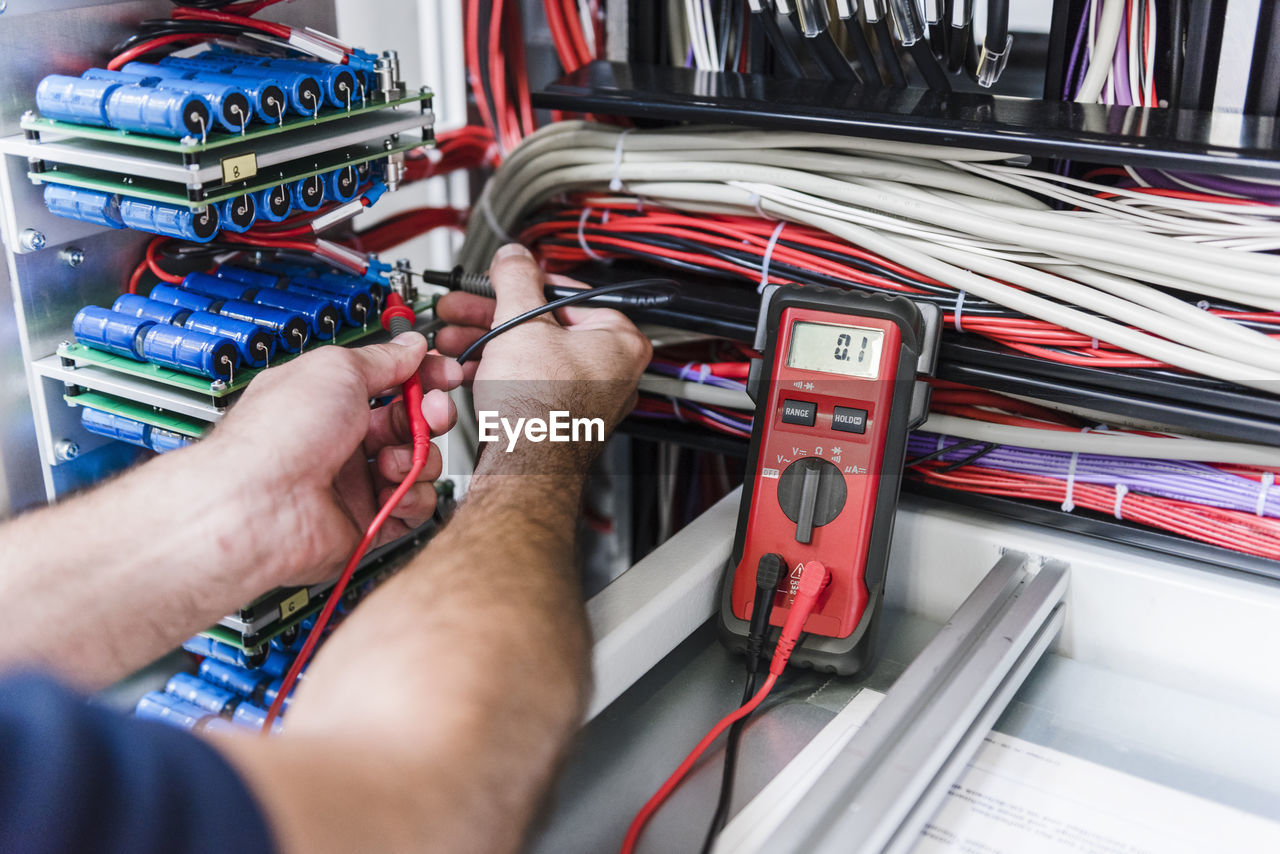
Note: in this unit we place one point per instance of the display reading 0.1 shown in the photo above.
(849, 350)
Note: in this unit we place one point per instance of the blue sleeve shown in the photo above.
(74, 777)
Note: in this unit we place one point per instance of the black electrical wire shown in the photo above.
(1200, 63)
(782, 53)
(939, 33)
(928, 65)
(862, 50)
(888, 57)
(832, 57)
(960, 47)
(1263, 98)
(1176, 20)
(667, 290)
(997, 25)
(729, 771)
(819, 61)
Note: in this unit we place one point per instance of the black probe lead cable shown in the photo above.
(666, 293)
(768, 573)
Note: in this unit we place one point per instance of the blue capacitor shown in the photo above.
(238, 214)
(247, 276)
(207, 647)
(337, 283)
(164, 441)
(355, 307)
(266, 99)
(271, 689)
(304, 92)
(84, 205)
(191, 352)
(127, 106)
(203, 283)
(308, 193)
(256, 344)
(117, 427)
(170, 220)
(155, 706)
(199, 693)
(254, 717)
(291, 328)
(322, 318)
(134, 78)
(108, 330)
(73, 99)
(231, 105)
(235, 679)
(342, 185)
(136, 305)
(189, 300)
(162, 112)
(274, 203)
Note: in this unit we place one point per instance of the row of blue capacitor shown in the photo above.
(225, 692)
(131, 430)
(210, 325)
(191, 96)
(237, 214)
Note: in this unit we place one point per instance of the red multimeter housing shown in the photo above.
(836, 395)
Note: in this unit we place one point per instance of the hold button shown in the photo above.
(802, 412)
(849, 420)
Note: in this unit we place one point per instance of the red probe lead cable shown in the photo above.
(396, 318)
(813, 579)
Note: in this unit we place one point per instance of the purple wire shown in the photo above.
(1120, 66)
(1069, 83)
(1182, 480)
(694, 376)
(718, 417)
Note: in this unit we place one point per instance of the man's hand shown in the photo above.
(304, 435)
(585, 361)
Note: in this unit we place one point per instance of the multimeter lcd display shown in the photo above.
(827, 347)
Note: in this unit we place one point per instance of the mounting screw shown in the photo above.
(217, 385)
(31, 240)
(72, 256)
(66, 450)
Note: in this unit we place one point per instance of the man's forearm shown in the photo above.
(459, 681)
(98, 586)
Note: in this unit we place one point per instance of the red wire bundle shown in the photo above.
(610, 226)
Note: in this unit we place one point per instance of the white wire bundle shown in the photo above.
(951, 214)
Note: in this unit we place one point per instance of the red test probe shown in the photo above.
(397, 318)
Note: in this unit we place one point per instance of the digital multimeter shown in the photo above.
(836, 394)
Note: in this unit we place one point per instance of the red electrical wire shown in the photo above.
(406, 225)
(577, 38)
(412, 390)
(471, 54)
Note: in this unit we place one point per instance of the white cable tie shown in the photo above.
(959, 310)
(1203, 305)
(1094, 344)
(942, 442)
(1068, 502)
(639, 204)
(615, 183)
(582, 238)
(604, 217)
(1268, 480)
(1121, 492)
(494, 225)
(675, 405)
(700, 376)
(756, 200)
(768, 256)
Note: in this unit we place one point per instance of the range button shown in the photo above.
(849, 420)
(803, 412)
